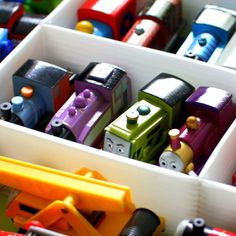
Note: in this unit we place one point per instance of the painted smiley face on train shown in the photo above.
(171, 161)
(116, 145)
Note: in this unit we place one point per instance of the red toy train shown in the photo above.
(106, 18)
(156, 25)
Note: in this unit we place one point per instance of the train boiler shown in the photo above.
(102, 92)
(211, 31)
(106, 19)
(157, 25)
(40, 89)
(141, 131)
(210, 112)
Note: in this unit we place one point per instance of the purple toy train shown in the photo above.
(210, 112)
(102, 92)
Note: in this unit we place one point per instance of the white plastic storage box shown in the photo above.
(173, 195)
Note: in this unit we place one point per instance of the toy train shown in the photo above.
(141, 132)
(198, 227)
(102, 92)
(38, 6)
(40, 89)
(157, 25)
(106, 20)
(210, 112)
(17, 21)
(209, 36)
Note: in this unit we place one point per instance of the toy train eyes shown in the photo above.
(173, 166)
(119, 148)
(163, 163)
(109, 144)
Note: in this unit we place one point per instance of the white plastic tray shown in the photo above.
(173, 195)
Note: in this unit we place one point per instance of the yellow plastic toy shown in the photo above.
(81, 204)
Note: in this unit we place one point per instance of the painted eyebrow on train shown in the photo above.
(120, 145)
(110, 140)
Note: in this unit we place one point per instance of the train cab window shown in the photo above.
(154, 131)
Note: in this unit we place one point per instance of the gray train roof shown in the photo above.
(168, 88)
(47, 74)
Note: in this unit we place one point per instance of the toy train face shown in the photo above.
(212, 113)
(198, 227)
(106, 19)
(40, 89)
(209, 35)
(156, 24)
(102, 92)
(141, 132)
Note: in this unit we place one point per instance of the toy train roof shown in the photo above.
(47, 74)
(209, 97)
(27, 23)
(8, 10)
(102, 74)
(168, 88)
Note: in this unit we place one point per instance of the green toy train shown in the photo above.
(141, 132)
